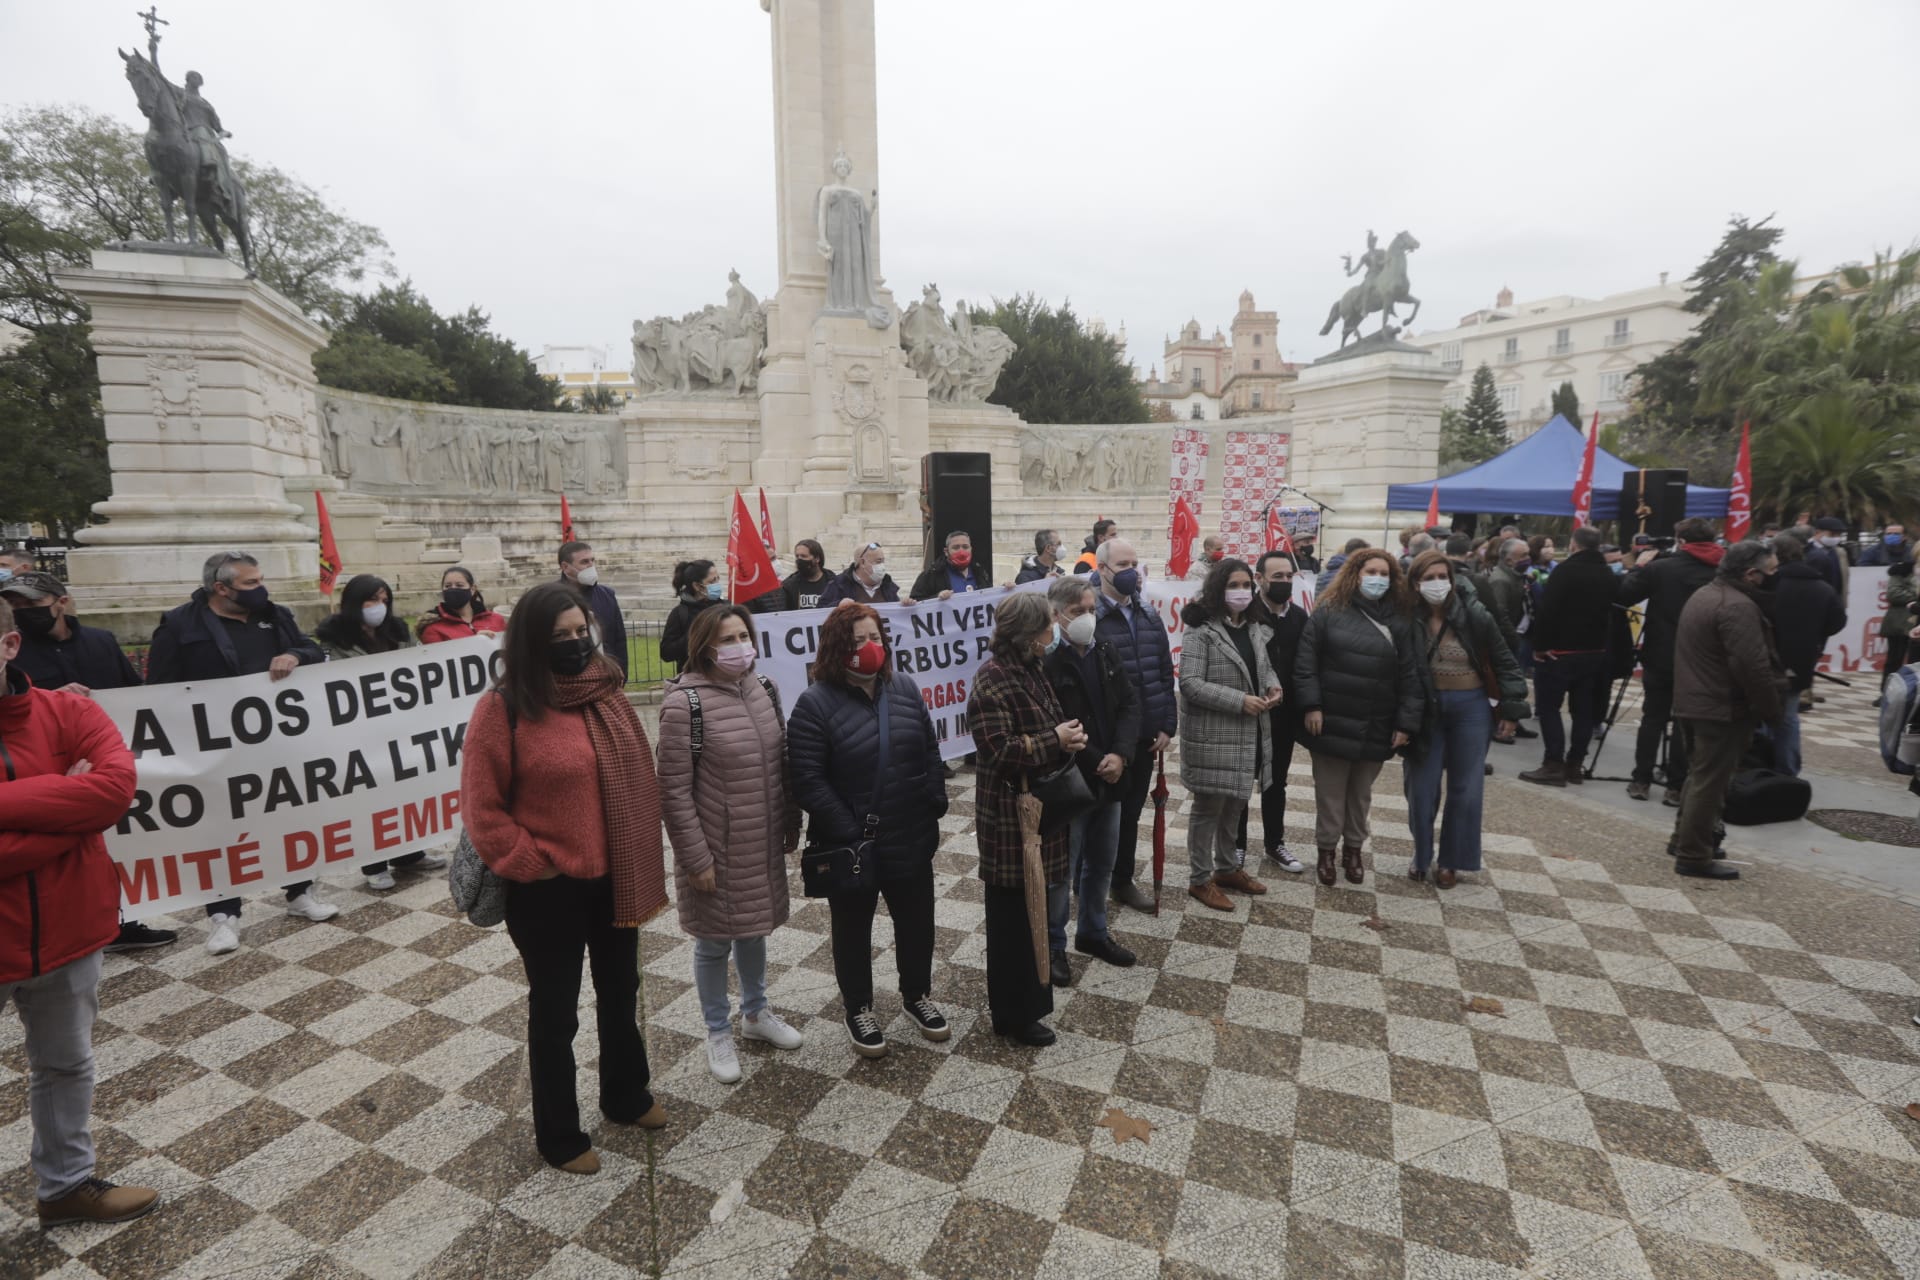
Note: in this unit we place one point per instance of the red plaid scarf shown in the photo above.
(629, 794)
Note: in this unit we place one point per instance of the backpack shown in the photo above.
(1762, 795)
(1899, 743)
(697, 727)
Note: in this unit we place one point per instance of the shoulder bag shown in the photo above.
(827, 870)
(477, 890)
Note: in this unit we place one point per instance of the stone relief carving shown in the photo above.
(173, 383)
(1093, 460)
(715, 349)
(960, 361)
(696, 459)
(856, 398)
(387, 447)
(872, 455)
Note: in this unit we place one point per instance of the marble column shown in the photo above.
(1362, 424)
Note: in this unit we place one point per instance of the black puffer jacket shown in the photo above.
(1114, 725)
(1147, 655)
(1806, 610)
(673, 638)
(1364, 684)
(1576, 610)
(1666, 585)
(833, 756)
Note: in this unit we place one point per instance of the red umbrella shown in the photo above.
(1159, 832)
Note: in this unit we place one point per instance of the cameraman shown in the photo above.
(1665, 580)
(1805, 611)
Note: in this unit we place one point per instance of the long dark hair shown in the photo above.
(1213, 592)
(345, 628)
(479, 603)
(689, 574)
(818, 552)
(836, 644)
(526, 677)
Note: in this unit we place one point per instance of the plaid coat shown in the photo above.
(1218, 740)
(1012, 711)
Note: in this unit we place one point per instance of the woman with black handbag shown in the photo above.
(865, 768)
(1227, 687)
(1020, 736)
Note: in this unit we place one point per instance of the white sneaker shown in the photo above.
(222, 938)
(768, 1026)
(382, 881)
(721, 1059)
(431, 862)
(311, 908)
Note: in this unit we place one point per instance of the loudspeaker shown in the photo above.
(1652, 502)
(956, 492)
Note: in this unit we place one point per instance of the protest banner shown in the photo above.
(251, 783)
(1169, 596)
(1858, 646)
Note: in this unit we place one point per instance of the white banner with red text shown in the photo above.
(250, 783)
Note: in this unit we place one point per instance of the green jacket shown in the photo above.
(1901, 594)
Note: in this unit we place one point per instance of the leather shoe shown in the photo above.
(1324, 870)
(1706, 869)
(1209, 895)
(1521, 731)
(1350, 864)
(1062, 975)
(1105, 949)
(1037, 1034)
(1132, 895)
(1637, 790)
(1445, 878)
(1241, 881)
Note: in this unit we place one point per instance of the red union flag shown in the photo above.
(1278, 539)
(749, 570)
(766, 523)
(1433, 507)
(1583, 486)
(1185, 529)
(329, 553)
(1740, 492)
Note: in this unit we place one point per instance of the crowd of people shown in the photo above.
(1424, 655)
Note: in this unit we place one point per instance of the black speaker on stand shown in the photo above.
(956, 493)
(1652, 501)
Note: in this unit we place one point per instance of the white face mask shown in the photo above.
(1830, 540)
(1436, 589)
(876, 571)
(588, 576)
(374, 614)
(1080, 630)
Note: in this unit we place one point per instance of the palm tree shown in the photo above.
(1823, 457)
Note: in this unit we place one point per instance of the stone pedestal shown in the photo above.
(206, 382)
(1362, 424)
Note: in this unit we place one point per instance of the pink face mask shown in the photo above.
(734, 659)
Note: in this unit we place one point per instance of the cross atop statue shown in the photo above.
(153, 22)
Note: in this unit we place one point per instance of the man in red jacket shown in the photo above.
(65, 777)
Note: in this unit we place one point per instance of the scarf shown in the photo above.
(629, 796)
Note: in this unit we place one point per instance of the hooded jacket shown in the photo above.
(190, 644)
(444, 624)
(59, 891)
(1666, 585)
(846, 586)
(1726, 665)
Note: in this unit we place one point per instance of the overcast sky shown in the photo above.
(574, 164)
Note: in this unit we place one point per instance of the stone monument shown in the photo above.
(1382, 287)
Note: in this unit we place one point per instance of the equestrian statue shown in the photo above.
(1381, 288)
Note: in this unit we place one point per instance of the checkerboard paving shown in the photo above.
(1844, 719)
(1676, 1085)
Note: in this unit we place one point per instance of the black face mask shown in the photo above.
(457, 598)
(805, 568)
(253, 599)
(1280, 592)
(571, 657)
(34, 621)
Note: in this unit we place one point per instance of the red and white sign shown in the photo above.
(1187, 476)
(1740, 492)
(1256, 465)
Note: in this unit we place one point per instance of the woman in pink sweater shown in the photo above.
(558, 789)
(732, 821)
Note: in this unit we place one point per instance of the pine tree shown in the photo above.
(1483, 425)
(1566, 403)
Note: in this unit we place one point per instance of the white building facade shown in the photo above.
(1533, 347)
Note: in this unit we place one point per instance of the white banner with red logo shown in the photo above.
(1255, 467)
(1187, 476)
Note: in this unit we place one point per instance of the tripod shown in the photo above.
(1661, 768)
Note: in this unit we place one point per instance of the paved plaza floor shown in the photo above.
(1670, 1079)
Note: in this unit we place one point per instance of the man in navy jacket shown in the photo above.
(578, 571)
(1137, 633)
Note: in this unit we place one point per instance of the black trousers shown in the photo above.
(1016, 993)
(1135, 785)
(404, 860)
(910, 903)
(553, 922)
(231, 906)
(1656, 691)
(1273, 799)
(1896, 657)
(1579, 680)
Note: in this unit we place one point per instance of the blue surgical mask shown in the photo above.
(5, 574)
(716, 590)
(1374, 588)
(1055, 642)
(1126, 582)
(1618, 566)
(1893, 539)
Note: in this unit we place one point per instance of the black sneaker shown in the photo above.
(1521, 731)
(138, 937)
(1062, 975)
(1706, 869)
(927, 1016)
(864, 1030)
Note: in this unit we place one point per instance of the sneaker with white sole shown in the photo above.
(1283, 857)
(308, 907)
(222, 937)
(383, 880)
(770, 1027)
(864, 1030)
(926, 1015)
(428, 862)
(721, 1058)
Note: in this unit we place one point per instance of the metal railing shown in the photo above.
(1619, 338)
(1559, 348)
(1510, 357)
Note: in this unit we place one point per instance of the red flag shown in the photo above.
(1740, 493)
(1433, 507)
(766, 524)
(749, 568)
(1186, 527)
(1583, 486)
(566, 521)
(1278, 539)
(329, 553)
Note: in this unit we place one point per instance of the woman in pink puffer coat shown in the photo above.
(732, 822)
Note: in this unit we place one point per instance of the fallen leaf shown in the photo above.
(1765, 1031)
(1484, 1004)
(1913, 1110)
(1566, 857)
(1125, 1126)
(1376, 924)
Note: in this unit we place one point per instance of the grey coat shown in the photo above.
(1218, 740)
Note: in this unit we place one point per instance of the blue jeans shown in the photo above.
(1786, 736)
(710, 979)
(1459, 748)
(57, 1008)
(1093, 839)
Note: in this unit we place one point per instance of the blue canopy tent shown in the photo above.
(1535, 478)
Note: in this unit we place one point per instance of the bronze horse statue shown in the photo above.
(178, 170)
(1381, 292)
